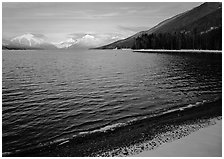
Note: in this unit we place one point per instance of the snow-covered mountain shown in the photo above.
(39, 41)
(29, 41)
(66, 44)
(85, 41)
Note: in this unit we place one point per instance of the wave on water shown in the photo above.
(159, 116)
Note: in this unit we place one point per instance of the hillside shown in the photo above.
(196, 21)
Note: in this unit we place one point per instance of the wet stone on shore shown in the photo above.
(174, 132)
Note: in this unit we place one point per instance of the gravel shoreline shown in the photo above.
(206, 142)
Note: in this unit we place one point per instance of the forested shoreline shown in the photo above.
(209, 40)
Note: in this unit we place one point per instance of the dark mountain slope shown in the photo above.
(201, 18)
(187, 18)
(213, 19)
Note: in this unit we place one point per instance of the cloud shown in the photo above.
(76, 35)
(133, 28)
(95, 15)
(42, 36)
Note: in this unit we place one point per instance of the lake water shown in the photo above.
(50, 97)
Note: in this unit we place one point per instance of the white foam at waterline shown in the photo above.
(108, 127)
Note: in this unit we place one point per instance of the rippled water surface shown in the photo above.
(49, 96)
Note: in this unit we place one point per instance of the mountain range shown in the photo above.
(36, 41)
(85, 41)
(200, 19)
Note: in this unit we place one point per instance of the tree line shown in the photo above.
(208, 40)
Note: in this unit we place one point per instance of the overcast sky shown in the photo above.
(59, 21)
